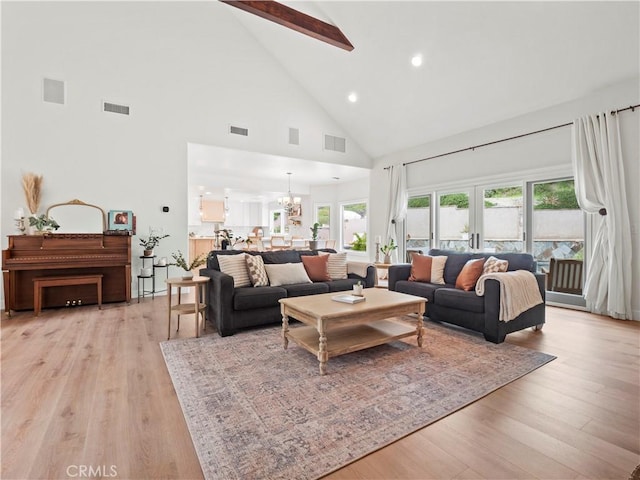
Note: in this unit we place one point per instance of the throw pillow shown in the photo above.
(236, 266)
(286, 274)
(425, 268)
(317, 267)
(468, 277)
(494, 264)
(257, 273)
(337, 265)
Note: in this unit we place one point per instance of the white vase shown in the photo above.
(387, 258)
(187, 275)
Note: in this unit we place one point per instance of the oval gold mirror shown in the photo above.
(76, 216)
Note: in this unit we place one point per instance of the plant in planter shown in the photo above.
(43, 223)
(181, 262)
(313, 243)
(150, 243)
(360, 243)
(387, 249)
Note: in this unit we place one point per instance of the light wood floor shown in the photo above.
(88, 388)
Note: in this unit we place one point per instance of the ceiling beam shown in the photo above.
(295, 20)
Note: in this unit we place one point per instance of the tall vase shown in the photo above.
(387, 258)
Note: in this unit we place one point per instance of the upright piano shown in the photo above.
(30, 256)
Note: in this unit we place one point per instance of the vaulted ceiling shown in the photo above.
(483, 62)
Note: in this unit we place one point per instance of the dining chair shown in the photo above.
(278, 242)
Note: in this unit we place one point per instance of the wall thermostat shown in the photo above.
(165, 209)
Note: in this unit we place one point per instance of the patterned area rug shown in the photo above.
(255, 410)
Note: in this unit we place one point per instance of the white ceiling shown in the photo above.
(484, 62)
(216, 172)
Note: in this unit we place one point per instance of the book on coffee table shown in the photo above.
(348, 298)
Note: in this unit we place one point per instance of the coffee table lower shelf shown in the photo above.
(351, 338)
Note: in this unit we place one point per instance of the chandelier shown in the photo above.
(289, 203)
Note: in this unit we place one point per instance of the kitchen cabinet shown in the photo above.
(213, 211)
(244, 214)
(200, 246)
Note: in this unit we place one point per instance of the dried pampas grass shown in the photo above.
(32, 185)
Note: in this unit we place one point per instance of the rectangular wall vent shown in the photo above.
(294, 136)
(336, 144)
(115, 108)
(53, 91)
(239, 130)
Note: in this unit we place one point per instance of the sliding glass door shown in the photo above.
(558, 236)
(454, 221)
(418, 229)
(501, 210)
(540, 216)
(482, 219)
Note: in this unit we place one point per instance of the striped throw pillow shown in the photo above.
(236, 266)
(257, 273)
(337, 265)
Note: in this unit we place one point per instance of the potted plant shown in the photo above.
(150, 243)
(360, 243)
(387, 249)
(181, 262)
(43, 224)
(313, 243)
(226, 235)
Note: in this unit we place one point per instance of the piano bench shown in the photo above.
(60, 281)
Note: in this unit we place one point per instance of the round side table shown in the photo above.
(198, 307)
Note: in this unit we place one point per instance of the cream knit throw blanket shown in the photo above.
(359, 268)
(518, 292)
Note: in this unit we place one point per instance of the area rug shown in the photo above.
(257, 411)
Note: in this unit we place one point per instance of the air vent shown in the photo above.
(336, 144)
(294, 136)
(239, 130)
(53, 91)
(115, 108)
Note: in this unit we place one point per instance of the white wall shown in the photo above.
(186, 69)
(549, 151)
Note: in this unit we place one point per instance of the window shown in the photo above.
(418, 224)
(323, 217)
(354, 226)
(277, 221)
(502, 219)
(539, 216)
(453, 221)
(557, 222)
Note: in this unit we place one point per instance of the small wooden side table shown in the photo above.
(382, 274)
(198, 307)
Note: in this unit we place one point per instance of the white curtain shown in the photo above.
(600, 189)
(397, 206)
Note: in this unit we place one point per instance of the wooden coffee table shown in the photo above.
(334, 328)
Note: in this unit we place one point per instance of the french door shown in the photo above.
(487, 218)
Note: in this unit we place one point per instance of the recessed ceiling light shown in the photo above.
(416, 60)
(353, 97)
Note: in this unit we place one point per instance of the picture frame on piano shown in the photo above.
(120, 220)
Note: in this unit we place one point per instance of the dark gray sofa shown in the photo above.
(230, 309)
(445, 303)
